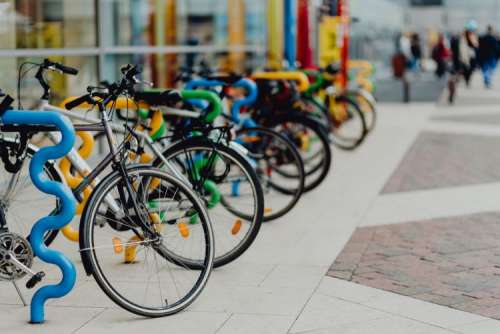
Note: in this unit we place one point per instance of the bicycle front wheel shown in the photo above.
(151, 272)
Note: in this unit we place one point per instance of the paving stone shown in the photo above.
(438, 160)
(449, 261)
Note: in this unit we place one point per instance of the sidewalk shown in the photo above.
(281, 284)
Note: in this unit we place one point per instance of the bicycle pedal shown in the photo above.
(268, 210)
(34, 280)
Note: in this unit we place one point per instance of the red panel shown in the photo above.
(304, 50)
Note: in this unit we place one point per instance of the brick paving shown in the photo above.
(453, 261)
(438, 160)
(484, 118)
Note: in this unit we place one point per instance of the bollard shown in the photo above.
(62, 192)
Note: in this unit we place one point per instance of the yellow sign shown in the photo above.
(330, 40)
(275, 33)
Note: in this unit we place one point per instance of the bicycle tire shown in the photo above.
(291, 154)
(93, 267)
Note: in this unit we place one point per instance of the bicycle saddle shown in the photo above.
(165, 98)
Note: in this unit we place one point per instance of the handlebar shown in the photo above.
(78, 101)
(54, 66)
(5, 104)
(51, 65)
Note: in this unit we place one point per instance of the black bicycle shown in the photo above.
(137, 208)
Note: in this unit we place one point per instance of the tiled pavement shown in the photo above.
(279, 285)
(439, 160)
(451, 261)
(433, 233)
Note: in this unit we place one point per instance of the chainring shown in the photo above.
(17, 246)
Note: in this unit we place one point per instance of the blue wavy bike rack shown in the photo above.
(249, 99)
(251, 96)
(61, 191)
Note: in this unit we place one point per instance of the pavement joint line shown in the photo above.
(230, 315)
(267, 275)
(305, 304)
(343, 324)
(404, 316)
(90, 320)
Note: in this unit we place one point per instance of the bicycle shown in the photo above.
(279, 107)
(236, 229)
(146, 196)
(268, 150)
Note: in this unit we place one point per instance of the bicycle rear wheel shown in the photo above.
(169, 267)
(311, 142)
(21, 202)
(349, 125)
(274, 156)
(229, 187)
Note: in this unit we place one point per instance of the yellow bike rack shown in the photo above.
(365, 71)
(300, 78)
(73, 180)
(157, 127)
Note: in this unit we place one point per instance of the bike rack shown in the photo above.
(247, 84)
(61, 191)
(299, 77)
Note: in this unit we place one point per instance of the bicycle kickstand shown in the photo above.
(20, 294)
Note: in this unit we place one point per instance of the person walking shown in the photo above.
(487, 55)
(440, 54)
(468, 48)
(416, 52)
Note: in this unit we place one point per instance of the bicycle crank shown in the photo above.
(16, 259)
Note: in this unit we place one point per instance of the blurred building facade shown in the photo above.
(97, 36)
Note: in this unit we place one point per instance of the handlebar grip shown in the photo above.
(79, 100)
(5, 104)
(67, 69)
(135, 70)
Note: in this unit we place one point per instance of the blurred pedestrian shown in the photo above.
(441, 54)
(469, 49)
(405, 47)
(416, 52)
(487, 55)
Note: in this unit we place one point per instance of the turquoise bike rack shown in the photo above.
(249, 99)
(252, 94)
(65, 213)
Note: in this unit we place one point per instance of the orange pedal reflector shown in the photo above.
(268, 210)
(304, 142)
(250, 139)
(183, 230)
(236, 227)
(155, 182)
(117, 245)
